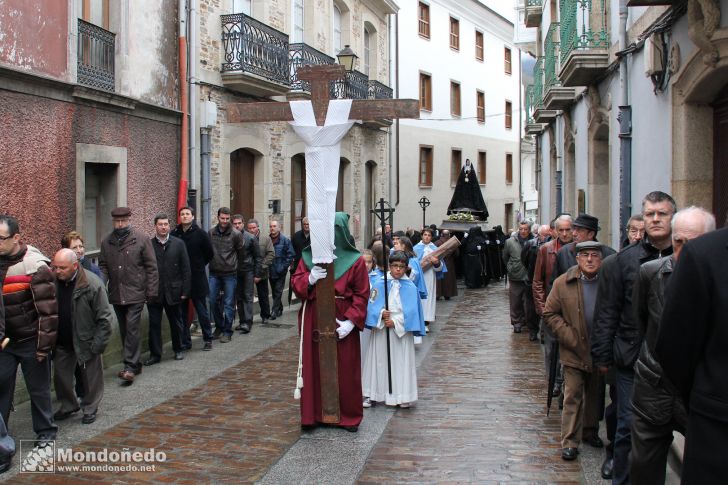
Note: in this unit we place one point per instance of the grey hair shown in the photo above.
(253, 221)
(563, 217)
(708, 217)
(535, 227)
(67, 255)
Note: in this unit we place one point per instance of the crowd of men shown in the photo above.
(611, 318)
(62, 310)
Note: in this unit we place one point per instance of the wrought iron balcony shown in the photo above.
(255, 56)
(540, 113)
(534, 8)
(96, 56)
(304, 55)
(530, 103)
(556, 96)
(584, 41)
(378, 90)
(355, 86)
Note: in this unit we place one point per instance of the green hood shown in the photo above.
(346, 252)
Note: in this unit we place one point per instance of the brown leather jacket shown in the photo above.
(542, 273)
(130, 268)
(564, 314)
(29, 295)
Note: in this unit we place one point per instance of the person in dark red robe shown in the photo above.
(352, 295)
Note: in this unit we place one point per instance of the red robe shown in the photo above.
(353, 286)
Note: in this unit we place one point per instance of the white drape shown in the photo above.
(323, 151)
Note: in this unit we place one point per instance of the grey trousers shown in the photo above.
(244, 296)
(129, 317)
(517, 291)
(92, 380)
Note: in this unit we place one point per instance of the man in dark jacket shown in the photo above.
(691, 347)
(31, 322)
(279, 269)
(301, 240)
(127, 261)
(85, 318)
(7, 443)
(248, 267)
(267, 253)
(227, 244)
(173, 266)
(200, 253)
(658, 409)
(528, 259)
(616, 336)
(585, 228)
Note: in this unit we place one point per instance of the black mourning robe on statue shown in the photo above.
(468, 196)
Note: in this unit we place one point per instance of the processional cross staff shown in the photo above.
(382, 214)
(322, 123)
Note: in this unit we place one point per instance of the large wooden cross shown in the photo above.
(319, 77)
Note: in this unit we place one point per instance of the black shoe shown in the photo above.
(516, 328)
(239, 327)
(245, 328)
(187, 347)
(533, 336)
(594, 441)
(216, 334)
(556, 392)
(207, 346)
(351, 429)
(306, 428)
(569, 454)
(264, 321)
(607, 468)
(5, 465)
(62, 415)
(272, 317)
(179, 356)
(88, 418)
(151, 361)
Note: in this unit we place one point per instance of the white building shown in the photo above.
(612, 127)
(459, 59)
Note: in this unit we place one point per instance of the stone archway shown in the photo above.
(695, 89)
(598, 182)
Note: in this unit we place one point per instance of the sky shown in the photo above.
(504, 7)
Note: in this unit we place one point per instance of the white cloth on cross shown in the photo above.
(323, 151)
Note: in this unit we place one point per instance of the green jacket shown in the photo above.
(512, 259)
(93, 316)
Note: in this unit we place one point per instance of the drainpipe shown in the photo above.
(184, 142)
(625, 129)
(520, 135)
(194, 99)
(396, 95)
(205, 214)
(559, 134)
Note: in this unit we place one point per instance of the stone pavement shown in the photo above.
(228, 416)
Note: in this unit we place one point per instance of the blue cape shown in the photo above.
(419, 281)
(413, 318)
(420, 252)
(373, 275)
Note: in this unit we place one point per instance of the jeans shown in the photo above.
(623, 436)
(227, 283)
(203, 317)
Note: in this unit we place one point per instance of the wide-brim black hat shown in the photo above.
(587, 222)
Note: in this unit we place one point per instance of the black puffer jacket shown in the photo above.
(653, 396)
(616, 337)
(199, 250)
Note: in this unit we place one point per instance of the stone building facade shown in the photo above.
(258, 169)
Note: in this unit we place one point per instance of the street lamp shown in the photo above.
(424, 203)
(347, 58)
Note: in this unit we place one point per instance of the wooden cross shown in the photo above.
(319, 77)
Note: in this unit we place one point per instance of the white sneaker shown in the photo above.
(367, 403)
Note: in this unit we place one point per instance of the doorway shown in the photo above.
(242, 179)
(720, 157)
(298, 191)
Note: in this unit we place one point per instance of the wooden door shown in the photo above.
(720, 157)
(242, 178)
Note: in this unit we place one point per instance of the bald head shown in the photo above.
(688, 224)
(544, 231)
(65, 264)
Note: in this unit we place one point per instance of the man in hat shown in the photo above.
(128, 263)
(569, 313)
(352, 295)
(584, 228)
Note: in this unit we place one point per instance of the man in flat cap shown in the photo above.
(128, 262)
(584, 228)
(569, 313)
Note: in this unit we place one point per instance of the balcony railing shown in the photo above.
(583, 26)
(551, 57)
(304, 55)
(530, 103)
(538, 84)
(534, 3)
(378, 90)
(252, 47)
(96, 57)
(355, 86)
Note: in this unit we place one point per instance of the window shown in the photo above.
(367, 50)
(507, 56)
(337, 30)
(425, 92)
(454, 34)
(423, 14)
(242, 6)
(509, 115)
(481, 106)
(479, 46)
(425, 166)
(509, 168)
(482, 167)
(95, 12)
(456, 162)
(454, 99)
(297, 21)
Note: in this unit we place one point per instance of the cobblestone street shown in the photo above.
(480, 416)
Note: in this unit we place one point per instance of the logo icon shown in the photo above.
(37, 456)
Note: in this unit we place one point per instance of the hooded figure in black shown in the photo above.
(468, 197)
(494, 261)
(474, 258)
